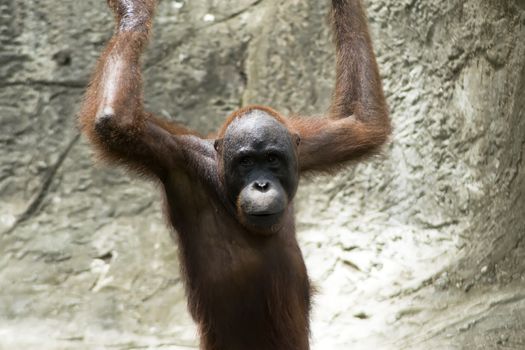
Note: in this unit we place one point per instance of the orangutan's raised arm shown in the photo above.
(358, 123)
(113, 115)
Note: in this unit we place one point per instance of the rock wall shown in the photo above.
(421, 247)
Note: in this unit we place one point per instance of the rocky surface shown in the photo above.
(421, 247)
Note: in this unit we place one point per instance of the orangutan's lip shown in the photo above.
(263, 215)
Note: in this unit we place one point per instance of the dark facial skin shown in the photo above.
(260, 170)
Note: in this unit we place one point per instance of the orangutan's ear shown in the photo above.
(218, 145)
(296, 138)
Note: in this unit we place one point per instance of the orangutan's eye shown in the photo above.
(246, 161)
(272, 158)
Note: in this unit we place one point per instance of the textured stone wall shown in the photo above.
(420, 247)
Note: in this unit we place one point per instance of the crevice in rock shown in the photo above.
(73, 84)
(233, 15)
(34, 205)
(243, 71)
